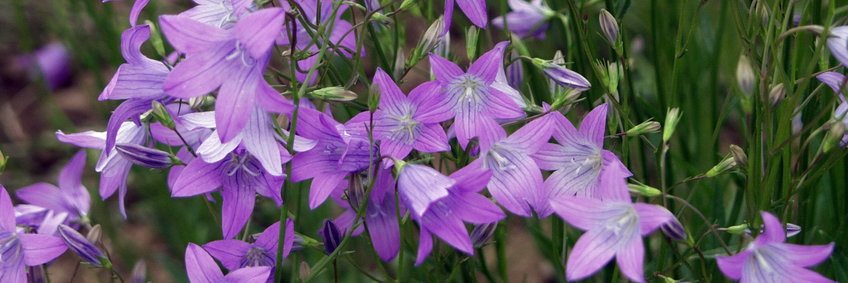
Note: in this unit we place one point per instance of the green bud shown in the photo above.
(568, 98)
(737, 229)
(381, 18)
(304, 271)
(162, 115)
(834, 136)
(354, 4)
(647, 127)
(472, 35)
(406, 4)
(644, 190)
(373, 97)
(723, 166)
(3, 161)
(333, 93)
(745, 75)
(614, 73)
(156, 39)
(399, 164)
(667, 279)
(739, 155)
(671, 120)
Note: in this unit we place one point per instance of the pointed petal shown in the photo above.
(201, 73)
(550, 157)
(188, 35)
(269, 238)
(584, 213)
(432, 138)
(212, 150)
(425, 244)
(201, 268)
(391, 97)
(472, 178)
(136, 10)
(501, 105)
(433, 104)
(444, 70)
(87, 139)
(516, 181)
(475, 208)
(383, 228)
(256, 274)
(592, 251)
(805, 256)
(39, 249)
(42, 194)
(71, 184)
(652, 216)
(631, 259)
(533, 135)
(198, 177)
(490, 63)
(475, 10)
(470, 125)
(448, 16)
(564, 131)
(7, 211)
(799, 274)
(271, 100)
(420, 186)
(732, 266)
(594, 125)
(773, 233)
(236, 98)
(394, 149)
(258, 30)
(237, 206)
(439, 221)
(228, 252)
(834, 80)
(114, 128)
(321, 188)
(259, 140)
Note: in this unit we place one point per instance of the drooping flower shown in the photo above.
(236, 254)
(68, 203)
(19, 249)
(473, 96)
(837, 42)
(445, 217)
(769, 259)
(404, 123)
(613, 229)
(338, 153)
(475, 10)
(581, 166)
(232, 59)
(201, 268)
(526, 19)
(517, 182)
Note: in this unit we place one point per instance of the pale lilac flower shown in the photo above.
(19, 249)
(68, 203)
(201, 268)
(769, 259)
(232, 59)
(219, 13)
(837, 42)
(526, 19)
(837, 81)
(445, 218)
(476, 96)
(405, 122)
(236, 254)
(581, 166)
(475, 10)
(613, 228)
(517, 182)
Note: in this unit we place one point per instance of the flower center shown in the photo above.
(467, 92)
(240, 52)
(498, 158)
(243, 164)
(257, 256)
(403, 128)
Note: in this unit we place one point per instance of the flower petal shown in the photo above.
(7, 211)
(420, 186)
(583, 213)
(432, 138)
(837, 42)
(773, 233)
(475, 208)
(472, 178)
(257, 30)
(201, 73)
(188, 35)
(652, 217)
(39, 249)
(198, 177)
(475, 10)
(533, 135)
(805, 256)
(71, 184)
(470, 125)
(425, 244)
(269, 238)
(444, 70)
(516, 181)
(592, 251)
(87, 139)
(732, 266)
(433, 104)
(594, 125)
(391, 97)
(235, 98)
(42, 194)
(250, 274)
(439, 220)
(490, 63)
(321, 188)
(136, 10)
(236, 209)
(228, 252)
(259, 139)
(383, 227)
(201, 268)
(631, 259)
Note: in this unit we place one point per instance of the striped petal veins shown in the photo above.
(468, 94)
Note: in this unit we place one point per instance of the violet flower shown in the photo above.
(51, 62)
(475, 10)
(517, 182)
(219, 13)
(837, 42)
(19, 249)
(81, 246)
(613, 228)
(236, 254)
(144, 156)
(769, 259)
(201, 268)
(68, 203)
(526, 19)
(581, 166)
(404, 123)
(473, 96)
(232, 59)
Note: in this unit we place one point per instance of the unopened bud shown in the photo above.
(333, 93)
(565, 99)
(86, 250)
(373, 97)
(139, 272)
(94, 234)
(644, 190)
(745, 75)
(483, 233)
(737, 229)
(609, 26)
(304, 271)
(776, 94)
(429, 41)
(562, 76)
(515, 72)
(406, 4)
(162, 115)
(381, 18)
(145, 156)
(723, 166)
(3, 161)
(739, 155)
(156, 38)
(834, 136)
(472, 35)
(674, 230)
(671, 120)
(332, 236)
(647, 127)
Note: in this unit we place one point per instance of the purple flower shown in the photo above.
(769, 259)
(332, 236)
(220, 13)
(381, 215)
(235, 254)
(526, 19)
(581, 166)
(405, 123)
(613, 229)
(144, 156)
(81, 246)
(475, 10)
(837, 42)
(232, 59)
(420, 186)
(517, 182)
(201, 268)
(19, 250)
(51, 62)
(835, 81)
(445, 217)
(338, 153)
(475, 98)
(562, 75)
(68, 203)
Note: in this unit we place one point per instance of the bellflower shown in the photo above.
(473, 96)
(445, 217)
(837, 81)
(68, 203)
(517, 182)
(236, 254)
(769, 259)
(19, 249)
(219, 13)
(405, 123)
(613, 229)
(81, 246)
(232, 59)
(526, 19)
(201, 268)
(837, 42)
(51, 62)
(581, 166)
(338, 153)
(475, 10)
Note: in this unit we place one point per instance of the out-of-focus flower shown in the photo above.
(769, 259)
(482, 233)
(837, 42)
(139, 272)
(515, 72)
(236, 254)
(51, 62)
(475, 10)
(68, 203)
(19, 249)
(613, 228)
(526, 19)
(476, 97)
(81, 246)
(201, 268)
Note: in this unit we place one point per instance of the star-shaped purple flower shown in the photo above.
(68, 203)
(201, 268)
(19, 249)
(769, 259)
(476, 97)
(236, 254)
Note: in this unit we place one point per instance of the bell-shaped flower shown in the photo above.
(201, 268)
(20, 250)
(613, 229)
(219, 13)
(477, 97)
(475, 10)
(409, 122)
(232, 59)
(68, 203)
(770, 259)
(581, 166)
(526, 19)
(837, 42)
(236, 254)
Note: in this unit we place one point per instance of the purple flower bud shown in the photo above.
(515, 73)
(139, 272)
(331, 236)
(562, 75)
(35, 274)
(82, 247)
(609, 26)
(674, 230)
(144, 156)
(483, 233)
